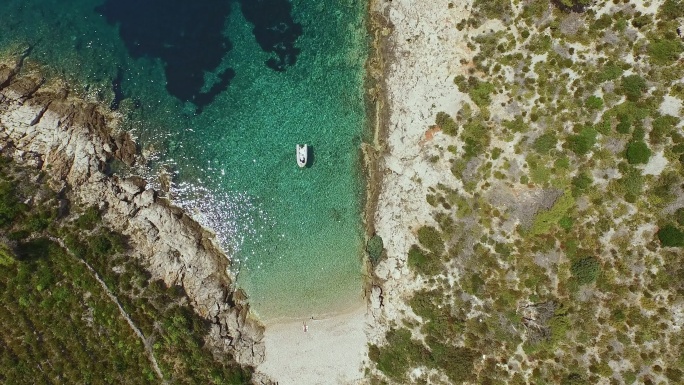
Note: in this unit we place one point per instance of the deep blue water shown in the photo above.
(218, 93)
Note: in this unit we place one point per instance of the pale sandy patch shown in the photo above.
(656, 164)
(670, 106)
(332, 350)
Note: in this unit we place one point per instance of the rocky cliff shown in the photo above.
(74, 142)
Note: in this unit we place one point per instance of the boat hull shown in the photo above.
(302, 152)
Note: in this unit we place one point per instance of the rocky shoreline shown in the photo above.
(75, 142)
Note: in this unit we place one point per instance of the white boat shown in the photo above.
(302, 155)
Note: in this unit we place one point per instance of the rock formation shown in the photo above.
(74, 141)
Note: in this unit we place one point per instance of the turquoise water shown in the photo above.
(225, 118)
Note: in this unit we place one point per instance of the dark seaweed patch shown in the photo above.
(186, 36)
(274, 30)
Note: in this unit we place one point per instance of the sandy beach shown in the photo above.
(330, 351)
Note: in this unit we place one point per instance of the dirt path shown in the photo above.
(136, 330)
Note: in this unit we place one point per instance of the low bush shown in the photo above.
(431, 239)
(585, 270)
(545, 143)
(7, 257)
(610, 71)
(671, 236)
(679, 216)
(399, 354)
(374, 248)
(594, 102)
(580, 183)
(89, 219)
(424, 263)
(671, 10)
(637, 152)
(665, 52)
(582, 143)
(574, 5)
(10, 206)
(633, 86)
(547, 218)
(662, 127)
(446, 123)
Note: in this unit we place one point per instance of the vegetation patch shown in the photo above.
(374, 248)
(547, 218)
(671, 236)
(637, 152)
(431, 238)
(424, 263)
(446, 123)
(585, 270)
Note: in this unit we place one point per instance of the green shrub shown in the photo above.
(7, 257)
(374, 248)
(516, 125)
(633, 86)
(575, 5)
(610, 71)
(456, 362)
(10, 207)
(493, 9)
(400, 354)
(39, 221)
(580, 183)
(424, 263)
(594, 102)
(671, 236)
(478, 90)
(545, 143)
(585, 270)
(547, 218)
(106, 243)
(637, 152)
(602, 22)
(431, 239)
(624, 124)
(633, 184)
(476, 137)
(566, 223)
(662, 126)
(671, 10)
(446, 123)
(664, 52)
(89, 219)
(679, 216)
(582, 143)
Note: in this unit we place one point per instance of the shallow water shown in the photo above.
(222, 92)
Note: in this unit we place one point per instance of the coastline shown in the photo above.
(334, 348)
(46, 125)
(346, 327)
(376, 102)
(417, 84)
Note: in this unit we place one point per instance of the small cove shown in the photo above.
(221, 105)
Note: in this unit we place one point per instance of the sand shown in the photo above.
(331, 351)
